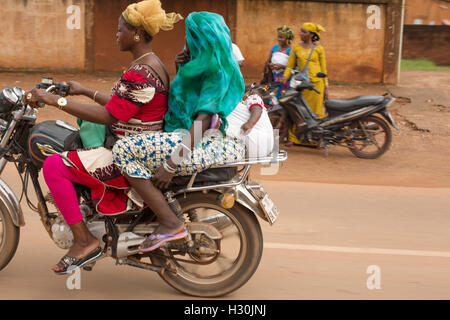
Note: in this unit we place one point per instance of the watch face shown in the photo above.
(62, 102)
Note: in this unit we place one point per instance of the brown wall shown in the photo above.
(427, 10)
(353, 51)
(35, 36)
(165, 44)
(431, 42)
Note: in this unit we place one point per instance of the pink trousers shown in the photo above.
(60, 181)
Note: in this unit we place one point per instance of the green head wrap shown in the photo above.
(211, 82)
(287, 33)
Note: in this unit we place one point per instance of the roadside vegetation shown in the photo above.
(422, 64)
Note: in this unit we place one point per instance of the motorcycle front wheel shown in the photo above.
(371, 137)
(231, 261)
(9, 237)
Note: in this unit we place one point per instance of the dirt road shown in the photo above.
(321, 248)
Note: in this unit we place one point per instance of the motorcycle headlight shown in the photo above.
(8, 100)
(19, 92)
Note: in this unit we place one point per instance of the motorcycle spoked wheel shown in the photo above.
(373, 141)
(9, 237)
(239, 251)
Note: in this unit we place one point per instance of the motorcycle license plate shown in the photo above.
(269, 209)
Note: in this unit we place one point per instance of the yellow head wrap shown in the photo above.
(313, 27)
(149, 16)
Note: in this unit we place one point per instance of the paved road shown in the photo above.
(321, 248)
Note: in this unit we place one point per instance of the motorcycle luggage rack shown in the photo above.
(247, 163)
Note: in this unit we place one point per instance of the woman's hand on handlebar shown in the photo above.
(76, 88)
(35, 98)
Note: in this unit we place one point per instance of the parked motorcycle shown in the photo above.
(353, 123)
(220, 207)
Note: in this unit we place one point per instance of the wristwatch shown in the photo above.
(62, 102)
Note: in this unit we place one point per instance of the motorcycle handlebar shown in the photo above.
(59, 88)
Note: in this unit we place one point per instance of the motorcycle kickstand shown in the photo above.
(327, 149)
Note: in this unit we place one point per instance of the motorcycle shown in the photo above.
(353, 123)
(220, 207)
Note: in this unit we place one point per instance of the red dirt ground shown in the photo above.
(419, 155)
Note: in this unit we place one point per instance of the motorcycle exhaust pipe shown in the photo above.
(349, 116)
(128, 242)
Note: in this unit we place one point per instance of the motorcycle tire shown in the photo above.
(9, 238)
(245, 265)
(278, 121)
(372, 123)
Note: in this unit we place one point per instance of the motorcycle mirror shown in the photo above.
(47, 80)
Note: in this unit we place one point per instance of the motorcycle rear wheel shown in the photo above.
(9, 238)
(242, 268)
(376, 136)
(278, 121)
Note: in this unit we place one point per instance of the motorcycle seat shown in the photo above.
(205, 178)
(346, 105)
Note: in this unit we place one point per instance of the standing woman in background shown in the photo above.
(309, 34)
(278, 58)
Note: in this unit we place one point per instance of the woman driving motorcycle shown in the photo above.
(138, 104)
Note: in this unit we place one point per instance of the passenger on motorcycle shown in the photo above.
(208, 84)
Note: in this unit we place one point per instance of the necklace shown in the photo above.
(144, 55)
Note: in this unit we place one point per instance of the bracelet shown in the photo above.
(168, 168)
(95, 94)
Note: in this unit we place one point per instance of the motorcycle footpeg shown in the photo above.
(89, 266)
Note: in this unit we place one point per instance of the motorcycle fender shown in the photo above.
(8, 201)
(388, 118)
(245, 198)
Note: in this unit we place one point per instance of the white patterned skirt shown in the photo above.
(141, 155)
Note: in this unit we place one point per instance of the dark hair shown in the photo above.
(147, 36)
(315, 37)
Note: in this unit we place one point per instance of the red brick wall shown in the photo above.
(431, 42)
(165, 44)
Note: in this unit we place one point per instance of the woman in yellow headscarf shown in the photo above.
(138, 104)
(309, 34)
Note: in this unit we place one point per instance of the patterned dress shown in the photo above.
(139, 102)
(141, 155)
(280, 57)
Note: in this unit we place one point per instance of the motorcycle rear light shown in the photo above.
(227, 200)
(390, 102)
